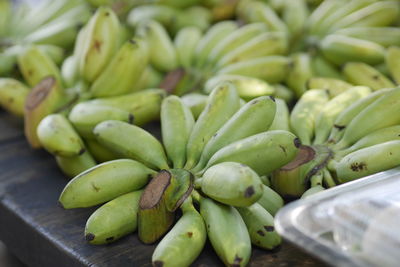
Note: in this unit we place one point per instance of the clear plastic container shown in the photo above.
(354, 224)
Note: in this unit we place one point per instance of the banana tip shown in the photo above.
(297, 142)
(90, 237)
(158, 263)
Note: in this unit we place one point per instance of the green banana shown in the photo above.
(72, 166)
(57, 136)
(340, 49)
(99, 152)
(222, 103)
(85, 116)
(221, 222)
(304, 114)
(385, 36)
(272, 69)
(270, 200)
(123, 71)
(12, 95)
(254, 117)
(176, 125)
(260, 225)
(362, 74)
(105, 182)
(117, 136)
(161, 13)
(323, 68)
(113, 220)
(241, 185)
(196, 102)
(185, 19)
(333, 86)
(391, 60)
(312, 191)
(99, 43)
(281, 119)
(331, 110)
(300, 72)
(70, 71)
(284, 93)
(295, 14)
(151, 78)
(276, 148)
(184, 242)
(185, 44)
(5, 14)
(320, 13)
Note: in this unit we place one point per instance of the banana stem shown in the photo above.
(316, 179)
(328, 179)
(196, 196)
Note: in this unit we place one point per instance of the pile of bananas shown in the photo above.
(232, 131)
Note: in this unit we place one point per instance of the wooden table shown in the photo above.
(41, 233)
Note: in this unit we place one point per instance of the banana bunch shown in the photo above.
(215, 161)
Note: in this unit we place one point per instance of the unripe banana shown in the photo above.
(295, 15)
(304, 114)
(334, 87)
(265, 44)
(281, 119)
(222, 103)
(58, 137)
(262, 152)
(323, 68)
(340, 49)
(320, 13)
(312, 191)
(184, 242)
(70, 71)
(123, 71)
(300, 72)
(72, 166)
(221, 222)
(113, 220)
(185, 44)
(272, 69)
(270, 200)
(162, 53)
(176, 125)
(185, 19)
(105, 182)
(260, 225)
(99, 152)
(254, 117)
(385, 36)
(161, 13)
(368, 161)
(392, 62)
(247, 87)
(100, 41)
(196, 102)
(85, 116)
(5, 14)
(144, 147)
(231, 183)
(331, 110)
(362, 74)
(151, 78)
(35, 65)
(284, 93)
(12, 96)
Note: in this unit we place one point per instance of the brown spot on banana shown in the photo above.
(236, 261)
(158, 263)
(249, 191)
(339, 127)
(269, 228)
(260, 232)
(95, 187)
(39, 93)
(109, 239)
(358, 166)
(190, 234)
(90, 237)
(297, 142)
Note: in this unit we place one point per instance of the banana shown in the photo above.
(391, 59)
(304, 114)
(320, 13)
(260, 224)
(368, 161)
(185, 44)
(385, 36)
(241, 185)
(328, 179)
(162, 53)
(221, 222)
(5, 13)
(276, 148)
(184, 242)
(72, 166)
(265, 44)
(284, 93)
(281, 119)
(12, 95)
(151, 78)
(333, 86)
(247, 87)
(362, 74)
(272, 69)
(116, 136)
(300, 72)
(323, 68)
(211, 38)
(196, 102)
(8, 62)
(113, 220)
(36, 65)
(295, 14)
(70, 71)
(99, 152)
(270, 200)
(185, 19)
(254, 117)
(222, 103)
(382, 113)
(85, 116)
(340, 49)
(104, 182)
(144, 105)
(161, 13)
(331, 110)
(58, 137)
(99, 43)
(176, 125)
(347, 115)
(312, 191)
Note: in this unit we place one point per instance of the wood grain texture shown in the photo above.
(41, 233)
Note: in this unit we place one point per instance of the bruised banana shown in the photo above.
(185, 44)
(362, 74)
(12, 96)
(270, 200)
(113, 220)
(132, 142)
(105, 182)
(391, 59)
(333, 86)
(72, 166)
(222, 221)
(260, 224)
(281, 119)
(300, 72)
(231, 183)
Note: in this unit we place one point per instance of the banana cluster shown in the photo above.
(216, 161)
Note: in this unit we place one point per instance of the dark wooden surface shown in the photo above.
(41, 233)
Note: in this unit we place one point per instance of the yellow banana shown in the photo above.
(12, 96)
